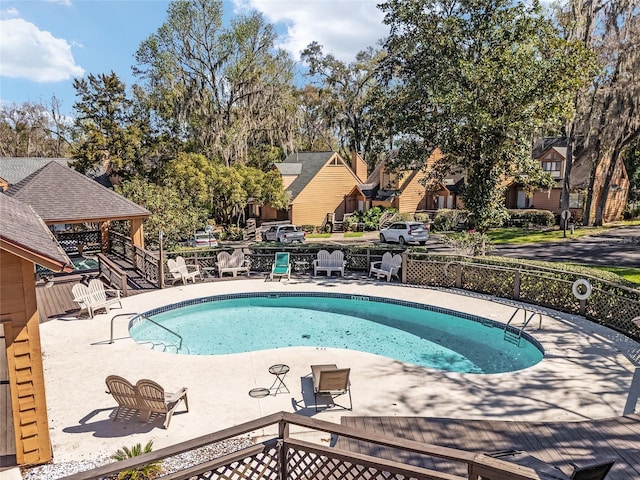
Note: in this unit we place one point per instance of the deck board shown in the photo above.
(558, 443)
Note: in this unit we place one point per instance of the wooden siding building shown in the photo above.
(408, 191)
(25, 241)
(552, 153)
(318, 184)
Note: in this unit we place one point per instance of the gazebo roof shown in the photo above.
(60, 194)
(23, 233)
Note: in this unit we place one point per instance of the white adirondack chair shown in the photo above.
(329, 262)
(388, 267)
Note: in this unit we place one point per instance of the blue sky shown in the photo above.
(45, 44)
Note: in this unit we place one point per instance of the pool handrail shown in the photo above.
(135, 314)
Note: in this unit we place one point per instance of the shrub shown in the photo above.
(309, 228)
(447, 220)
(144, 472)
(632, 212)
(422, 217)
(530, 218)
(465, 243)
(231, 233)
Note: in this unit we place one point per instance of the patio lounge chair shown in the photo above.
(124, 393)
(181, 271)
(233, 263)
(331, 380)
(94, 296)
(388, 267)
(153, 399)
(329, 262)
(593, 471)
(281, 266)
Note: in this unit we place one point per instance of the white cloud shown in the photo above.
(342, 27)
(9, 12)
(30, 53)
(66, 3)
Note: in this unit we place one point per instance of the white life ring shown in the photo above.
(587, 289)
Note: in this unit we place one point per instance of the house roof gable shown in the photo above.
(310, 164)
(60, 194)
(14, 169)
(23, 233)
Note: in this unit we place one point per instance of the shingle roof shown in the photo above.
(24, 233)
(14, 169)
(311, 164)
(62, 195)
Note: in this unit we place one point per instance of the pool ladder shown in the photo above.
(178, 346)
(513, 334)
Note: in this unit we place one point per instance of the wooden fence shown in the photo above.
(282, 457)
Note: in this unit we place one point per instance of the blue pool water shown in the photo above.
(409, 332)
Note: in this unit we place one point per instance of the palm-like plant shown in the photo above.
(144, 472)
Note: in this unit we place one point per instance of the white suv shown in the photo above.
(405, 232)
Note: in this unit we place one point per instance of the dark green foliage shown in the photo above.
(530, 218)
(447, 220)
(477, 80)
(370, 219)
(145, 472)
(172, 213)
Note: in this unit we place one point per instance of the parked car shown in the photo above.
(284, 234)
(204, 239)
(405, 232)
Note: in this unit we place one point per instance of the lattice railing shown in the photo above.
(283, 457)
(85, 241)
(612, 305)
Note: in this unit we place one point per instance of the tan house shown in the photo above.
(25, 241)
(318, 184)
(407, 191)
(552, 152)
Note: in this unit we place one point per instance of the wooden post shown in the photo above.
(137, 234)
(105, 245)
(161, 261)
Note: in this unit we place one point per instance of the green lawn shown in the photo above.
(521, 235)
(628, 273)
(318, 235)
(353, 234)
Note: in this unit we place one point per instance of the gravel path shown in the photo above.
(55, 471)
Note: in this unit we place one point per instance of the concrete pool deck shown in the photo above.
(588, 372)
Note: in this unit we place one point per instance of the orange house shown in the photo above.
(551, 153)
(318, 184)
(24, 242)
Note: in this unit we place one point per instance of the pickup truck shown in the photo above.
(283, 234)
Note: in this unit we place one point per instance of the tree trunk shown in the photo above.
(604, 196)
(586, 217)
(568, 163)
(586, 211)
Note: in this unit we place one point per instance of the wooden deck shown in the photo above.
(557, 443)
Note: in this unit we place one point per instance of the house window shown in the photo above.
(576, 200)
(551, 166)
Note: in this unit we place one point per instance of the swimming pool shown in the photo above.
(409, 332)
